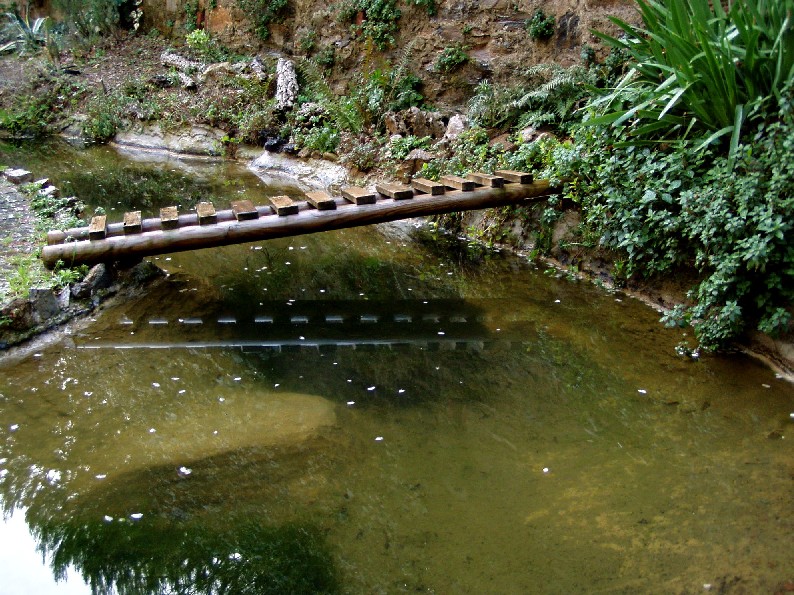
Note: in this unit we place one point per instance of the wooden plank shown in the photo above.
(283, 205)
(320, 200)
(428, 186)
(395, 191)
(486, 180)
(169, 217)
(244, 210)
(518, 177)
(358, 195)
(132, 222)
(458, 183)
(97, 227)
(206, 213)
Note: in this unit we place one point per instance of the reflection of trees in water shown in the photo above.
(163, 556)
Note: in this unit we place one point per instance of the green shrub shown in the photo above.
(451, 57)
(541, 26)
(261, 13)
(90, 18)
(400, 147)
(204, 47)
(380, 19)
(666, 209)
(429, 6)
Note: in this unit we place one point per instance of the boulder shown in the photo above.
(99, 277)
(218, 72)
(457, 124)
(44, 303)
(415, 122)
(286, 84)
(18, 176)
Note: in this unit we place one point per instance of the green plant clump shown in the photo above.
(451, 57)
(541, 26)
(261, 13)
(379, 19)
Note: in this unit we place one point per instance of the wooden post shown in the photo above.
(458, 183)
(395, 191)
(428, 186)
(206, 213)
(283, 205)
(358, 195)
(487, 180)
(169, 217)
(97, 228)
(132, 222)
(244, 210)
(518, 177)
(320, 200)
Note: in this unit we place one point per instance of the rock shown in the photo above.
(415, 122)
(273, 144)
(160, 81)
(289, 149)
(286, 84)
(217, 72)
(258, 69)
(531, 135)
(415, 160)
(99, 277)
(332, 157)
(44, 303)
(504, 141)
(457, 124)
(50, 192)
(18, 176)
(186, 82)
(181, 64)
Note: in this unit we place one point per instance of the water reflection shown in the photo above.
(302, 419)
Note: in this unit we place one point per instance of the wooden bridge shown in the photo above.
(135, 238)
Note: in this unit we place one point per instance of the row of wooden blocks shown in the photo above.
(244, 210)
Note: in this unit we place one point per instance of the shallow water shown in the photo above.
(366, 413)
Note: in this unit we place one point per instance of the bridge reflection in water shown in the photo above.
(436, 324)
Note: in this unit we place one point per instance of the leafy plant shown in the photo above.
(204, 47)
(92, 17)
(261, 13)
(24, 36)
(379, 19)
(541, 26)
(701, 69)
(400, 147)
(451, 57)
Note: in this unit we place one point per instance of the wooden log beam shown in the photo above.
(269, 227)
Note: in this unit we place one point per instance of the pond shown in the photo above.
(380, 410)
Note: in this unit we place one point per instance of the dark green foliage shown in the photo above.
(380, 19)
(91, 17)
(541, 26)
(699, 69)
(688, 208)
(451, 58)
(261, 13)
(164, 557)
(34, 115)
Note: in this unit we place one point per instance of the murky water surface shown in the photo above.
(360, 412)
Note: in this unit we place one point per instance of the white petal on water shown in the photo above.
(136, 516)
(351, 403)
(101, 476)
(371, 388)
(378, 438)
(156, 384)
(400, 391)
(152, 430)
(545, 469)
(107, 519)
(642, 391)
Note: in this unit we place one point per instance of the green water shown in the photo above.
(366, 412)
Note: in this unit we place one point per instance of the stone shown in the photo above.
(217, 72)
(274, 144)
(99, 277)
(44, 303)
(415, 122)
(286, 84)
(180, 63)
(50, 192)
(504, 141)
(456, 125)
(18, 176)
(415, 160)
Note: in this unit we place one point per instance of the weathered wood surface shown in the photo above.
(244, 210)
(206, 213)
(170, 217)
(395, 191)
(358, 196)
(457, 183)
(518, 177)
(486, 180)
(268, 227)
(97, 228)
(321, 200)
(132, 222)
(428, 186)
(283, 205)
